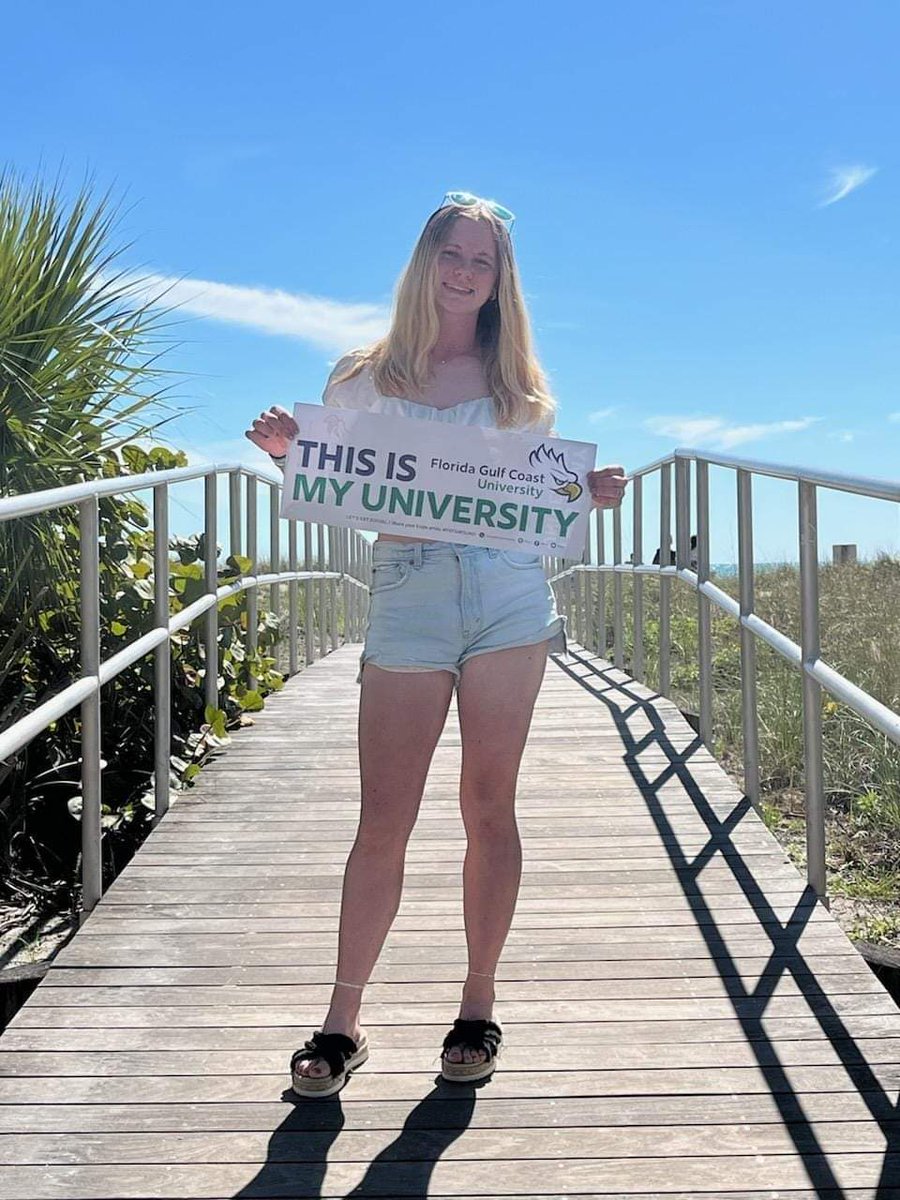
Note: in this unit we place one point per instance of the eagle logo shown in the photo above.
(566, 481)
(335, 425)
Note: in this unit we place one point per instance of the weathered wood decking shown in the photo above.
(681, 1018)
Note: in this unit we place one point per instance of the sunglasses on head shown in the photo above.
(466, 199)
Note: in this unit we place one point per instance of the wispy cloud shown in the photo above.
(845, 180)
(327, 324)
(894, 416)
(842, 435)
(600, 414)
(717, 434)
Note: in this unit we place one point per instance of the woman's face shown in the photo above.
(466, 266)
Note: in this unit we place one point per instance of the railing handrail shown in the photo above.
(27, 504)
(865, 485)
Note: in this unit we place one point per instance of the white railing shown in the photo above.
(590, 622)
(335, 560)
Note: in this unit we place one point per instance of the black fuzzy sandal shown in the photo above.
(481, 1035)
(340, 1052)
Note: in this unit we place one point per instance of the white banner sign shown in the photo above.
(435, 480)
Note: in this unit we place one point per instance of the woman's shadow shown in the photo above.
(297, 1157)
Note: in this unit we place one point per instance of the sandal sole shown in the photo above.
(327, 1085)
(467, 1072)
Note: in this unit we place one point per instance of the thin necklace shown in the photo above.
(443, 361)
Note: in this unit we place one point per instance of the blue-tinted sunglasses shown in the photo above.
(465, 199)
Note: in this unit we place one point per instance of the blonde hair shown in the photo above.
(399, 360)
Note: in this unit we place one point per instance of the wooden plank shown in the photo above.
(879, 1054)
(522, 991)
(737, 969)
(461, 1178)
(299, 1146)
(789, 1082)
(410, 1012)
(429, 1032)
(445, 1112)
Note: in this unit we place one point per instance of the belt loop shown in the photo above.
(417, 555)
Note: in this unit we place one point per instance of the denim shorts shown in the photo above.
(433, 605)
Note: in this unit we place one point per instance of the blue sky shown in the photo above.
(707, 199)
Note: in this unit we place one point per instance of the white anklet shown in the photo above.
(482, 974)
(359, 986)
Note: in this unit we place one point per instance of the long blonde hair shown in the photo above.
(399, 360)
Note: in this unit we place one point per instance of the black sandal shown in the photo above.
(476, 1035)
(340, 1052)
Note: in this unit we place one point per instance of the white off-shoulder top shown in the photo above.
(359, 393)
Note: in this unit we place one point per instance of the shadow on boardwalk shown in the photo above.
(619, 695)
(404, 1168)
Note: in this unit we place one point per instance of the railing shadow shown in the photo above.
(605, 682)
(297, 1156)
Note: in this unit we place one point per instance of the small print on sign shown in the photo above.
(427, 479)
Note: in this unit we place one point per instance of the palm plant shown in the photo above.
(78, 364)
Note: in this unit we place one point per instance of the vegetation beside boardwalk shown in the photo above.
(80, 383)
(860, 634)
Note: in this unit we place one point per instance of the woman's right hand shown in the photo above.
(273, 431)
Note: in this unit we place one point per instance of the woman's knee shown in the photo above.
(488, 821)
(380, 835)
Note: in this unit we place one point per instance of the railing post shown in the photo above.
(253, 592)
(589, 618)
(637, 580)
(275, 557)
(682, 512)
(345, 582)
(704, 625)
(293, 616)
(618, 630)
(211, 579)
(665, 608)
(309, 616)
(357, 574)
(601, 584)
(234, 512)
(749, 716)
(812, 691)
(578, 600)
(366, 576)
(91, 853)
(322, 591)
(334, 586)
(162, 654)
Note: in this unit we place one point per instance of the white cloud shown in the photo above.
(842, 435)
(327, 324)
(228, 450)
(715, 433)
(600, 414)
(894, 416)
(845, 180)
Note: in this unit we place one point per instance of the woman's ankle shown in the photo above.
(340, 1022)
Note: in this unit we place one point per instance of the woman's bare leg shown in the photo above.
(401, 715)
(496, 700)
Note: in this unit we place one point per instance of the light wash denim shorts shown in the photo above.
(433, 605)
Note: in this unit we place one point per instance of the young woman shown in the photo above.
(442, 616)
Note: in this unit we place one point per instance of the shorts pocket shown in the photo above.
(389, 575)
(522, 559)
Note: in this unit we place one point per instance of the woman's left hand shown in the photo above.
(607, 486)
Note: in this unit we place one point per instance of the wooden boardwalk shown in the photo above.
(681, 1018)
